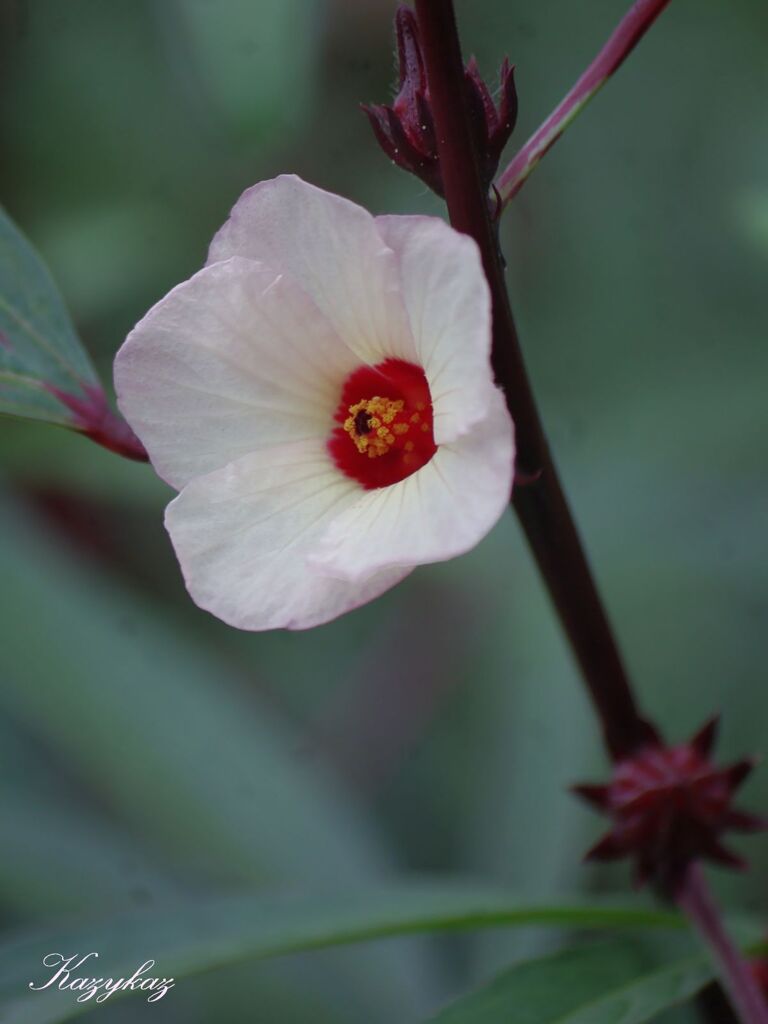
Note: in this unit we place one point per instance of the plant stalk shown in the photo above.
(541, 504)
(622, 42)
(695, 898)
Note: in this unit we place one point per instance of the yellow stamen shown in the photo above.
(378, 413)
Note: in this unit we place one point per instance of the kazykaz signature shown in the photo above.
(65, 979)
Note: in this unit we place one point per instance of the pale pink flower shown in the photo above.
(321, 396)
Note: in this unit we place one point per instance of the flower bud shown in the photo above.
(405, 130)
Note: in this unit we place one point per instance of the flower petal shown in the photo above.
(441, 511)
(449, 307)
(243, 535)
(331, 247)
(233, 360)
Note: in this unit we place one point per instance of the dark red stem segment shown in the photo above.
(541, 505)
(625, 38)
(696, 900)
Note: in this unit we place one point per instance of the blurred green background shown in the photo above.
(147, 750)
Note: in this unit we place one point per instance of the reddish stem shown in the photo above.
(625, 38)
(695, 898)
(541, 505)
(92, 416)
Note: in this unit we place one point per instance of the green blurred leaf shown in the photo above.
(179, 745)
(533, 706)
(38, 344)
(97, 867)
(168, 735)
(605, 983)
(196, 936)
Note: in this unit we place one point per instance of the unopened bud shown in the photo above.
(405, 130)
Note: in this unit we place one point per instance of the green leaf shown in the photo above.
(604, 983)
(39, 348)
(187, 938)
(98, 867)
(183, 750)
(164, 732)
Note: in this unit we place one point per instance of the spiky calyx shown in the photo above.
(406, 130)
(669, 807)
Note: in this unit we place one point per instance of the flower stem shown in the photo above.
(628, 33)
(541, 504)
(695, 898)
(92, 416)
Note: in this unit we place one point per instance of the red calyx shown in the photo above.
(669, 807)
(493, 124)
(405, 130)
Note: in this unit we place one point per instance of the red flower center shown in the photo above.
(385, 417)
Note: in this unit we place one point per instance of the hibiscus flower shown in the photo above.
(321, 396)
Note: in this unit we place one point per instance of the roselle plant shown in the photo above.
(337, 399)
